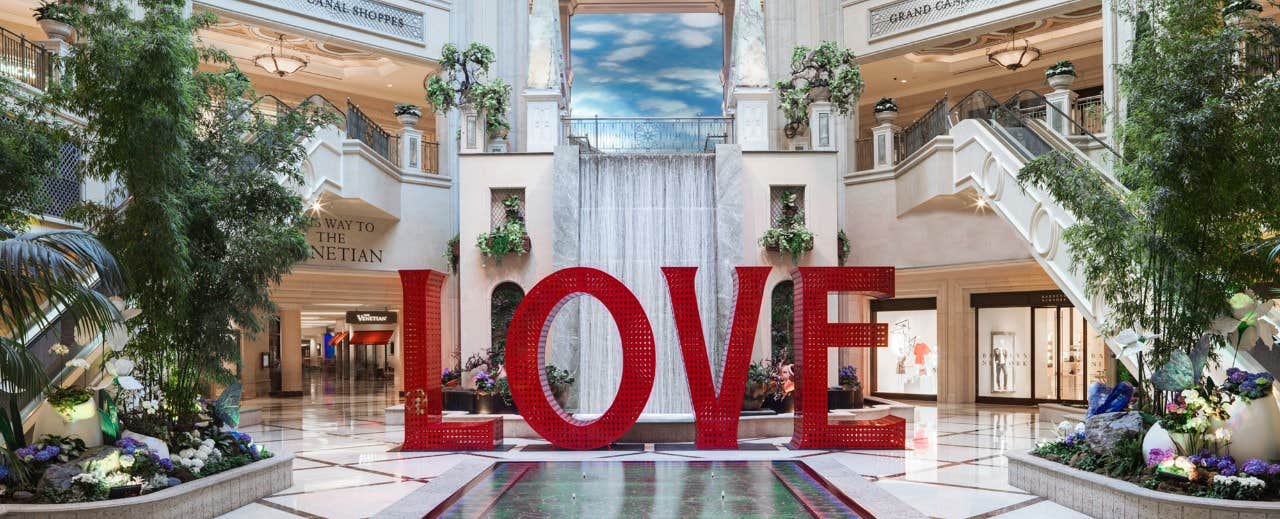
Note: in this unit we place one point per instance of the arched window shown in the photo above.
(502, 307)
(781, 323)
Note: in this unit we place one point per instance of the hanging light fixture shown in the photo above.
(277, 62)
(1014, 56)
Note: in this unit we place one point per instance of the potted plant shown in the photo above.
(789, 235)
(509, 238)
(1236, 11)
(1254, 421)
(456, 398)
(781, 396)
(824, 73)
(1061, 75)
(886, 110)
(461, 85)
(848, 379)
(55, 19)
(560, 381)
(757, 387)
(452, 253)
(73, 403)
(488, 397)
(408, 114)
(843, 247)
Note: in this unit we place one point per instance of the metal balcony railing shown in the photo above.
(865, 154)
(932, 124)
(431, 157)
(24, 60)
(648, 134)
(1090, 113)
(363, 129)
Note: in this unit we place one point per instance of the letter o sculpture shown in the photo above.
(526, 349)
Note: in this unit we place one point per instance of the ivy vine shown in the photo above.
(509, 238)
(789, 235)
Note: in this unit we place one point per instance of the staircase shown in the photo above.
(991, 141)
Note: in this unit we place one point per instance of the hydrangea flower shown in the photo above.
(1158, 455)
(1254, 467)
(1227, 467)
(4, 472)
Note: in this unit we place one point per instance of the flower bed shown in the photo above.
(1101, 496)
(206, 497)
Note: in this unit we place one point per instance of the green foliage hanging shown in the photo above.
(509, 238)
(212, 218)
(1200, 140)
(462, 84)
(819, 74)
(789, 235)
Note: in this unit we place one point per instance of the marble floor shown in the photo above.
(345, 467)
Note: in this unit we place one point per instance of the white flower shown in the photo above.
(126, 461)
(1063, 429)
(1251, 320)
(1134, 341)
(78, 363)
(85, 477)
(59, 349)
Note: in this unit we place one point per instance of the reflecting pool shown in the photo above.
(601, 489)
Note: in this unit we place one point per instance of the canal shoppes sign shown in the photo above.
(716, 411)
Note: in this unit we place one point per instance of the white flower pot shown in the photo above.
(1061, 81)
(1255, 429)
(80, 421)
(57, 30)
(408, 120)
(1156, 438)
(887, 117)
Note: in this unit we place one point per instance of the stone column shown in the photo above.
(1064, 99)
(822, 126)
(749, 94)
(474, 132)
(443, 145)
(544, 87)
(1117, 40)
(411, 149)
(882, 138)
(290, 351)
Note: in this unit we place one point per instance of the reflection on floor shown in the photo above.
(956, 467)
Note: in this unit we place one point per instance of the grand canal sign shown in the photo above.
(716, 411)
(900, 17)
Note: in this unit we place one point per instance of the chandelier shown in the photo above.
(277, 62)
(1014, 56)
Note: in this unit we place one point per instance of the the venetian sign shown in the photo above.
(371, 317)
(906, 15)
(380, 18)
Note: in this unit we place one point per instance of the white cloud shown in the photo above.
(595, 27)
(623, 54)
(596, 102)
(666, 107)
(700, 20)
(692, 39)
(582, 44)
(634, 37)
(698, 78)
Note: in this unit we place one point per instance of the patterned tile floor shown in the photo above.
(343, 467)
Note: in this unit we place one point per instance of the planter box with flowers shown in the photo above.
(509, 238)
(757, 387)
(1061, 75)
(886, 110)
(789, 235)
(408, 114)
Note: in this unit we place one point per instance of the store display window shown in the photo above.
(1035, 346)
(909, 365)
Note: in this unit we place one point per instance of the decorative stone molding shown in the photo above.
(1099, 496)
(205, 497)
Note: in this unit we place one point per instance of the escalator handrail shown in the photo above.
(1076, 126)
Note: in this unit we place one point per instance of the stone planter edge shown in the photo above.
(205, 497)
(1103, 497)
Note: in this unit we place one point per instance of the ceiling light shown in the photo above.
(277, 62)
(1014, 56)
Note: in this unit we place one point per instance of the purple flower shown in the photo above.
(1255, 467)
(25, 452)
(4, 472)
(1227, 468)
(1158, 455)
(166, 464)
(45, 455)
(1273, 469)
(1210, 461)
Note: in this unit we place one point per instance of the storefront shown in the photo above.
(1035, 347)
(908, 367)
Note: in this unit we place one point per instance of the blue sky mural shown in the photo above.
(653, 65)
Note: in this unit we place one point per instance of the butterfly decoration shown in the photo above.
(226, 408)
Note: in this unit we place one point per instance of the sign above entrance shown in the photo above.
(346, 242)
(377, 17)
(371, 317)
(899, 17)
